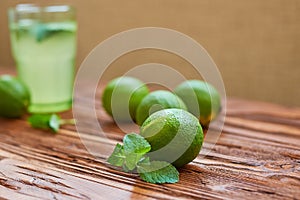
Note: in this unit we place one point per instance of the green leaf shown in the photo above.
(45, 121)
(117, 158)
(132, 155)
(132, 159)
(125, 168)
(135, 147)
(128, 155)
(158, 172)
(54, 123)
(39, 121)
(42, 31)
(48, 121)
(134, 143)
(144, 160)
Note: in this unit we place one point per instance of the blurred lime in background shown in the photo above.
(15, 97)
(122, 96)
(155, 101)
(201, 98)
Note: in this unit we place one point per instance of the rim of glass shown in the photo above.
(34, 8)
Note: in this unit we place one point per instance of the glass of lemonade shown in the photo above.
(43, 41)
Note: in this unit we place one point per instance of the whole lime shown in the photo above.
(156, 101)
(175, 136)
(14, 97)
(201, 98)
(122, 96)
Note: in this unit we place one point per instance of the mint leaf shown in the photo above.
(48, 121)
(125, 169)
(135, 147)
(158, 172)
(144, 160)
(132, 159)
(131, 155)
(134, 143)
(45, 121)
(43, 31)
(117, 157)
(54, 123)
(128, 155)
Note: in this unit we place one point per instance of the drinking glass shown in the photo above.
(43, 41)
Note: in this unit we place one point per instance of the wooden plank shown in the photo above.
(256, 157)
(248, 162)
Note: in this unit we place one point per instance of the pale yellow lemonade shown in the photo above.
(44, 55)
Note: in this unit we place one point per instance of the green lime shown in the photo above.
(156, 101)
(122, 96)
(175, 136)
(14, 95)
(201, 98)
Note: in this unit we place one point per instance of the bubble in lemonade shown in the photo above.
(44, 54)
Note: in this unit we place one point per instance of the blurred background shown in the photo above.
(255, 44)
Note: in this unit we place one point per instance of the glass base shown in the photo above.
(50, 108)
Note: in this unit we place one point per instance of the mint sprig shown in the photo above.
(42, 32)
(48, 121)
(131, 156)
(134, 143)
(117, 158)
(158, 172)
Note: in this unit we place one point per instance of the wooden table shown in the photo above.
(256, 157)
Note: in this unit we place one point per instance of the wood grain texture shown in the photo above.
(256, 157)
